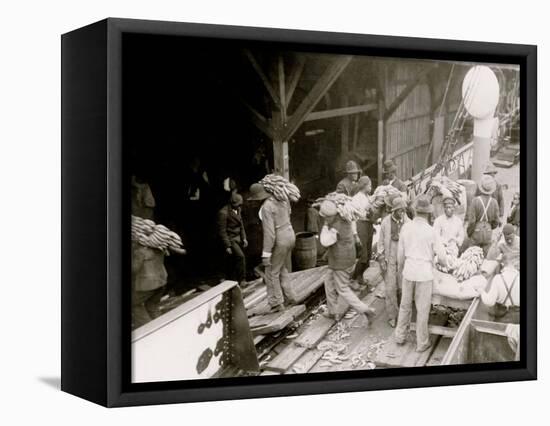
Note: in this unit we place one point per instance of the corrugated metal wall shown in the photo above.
(408, 129)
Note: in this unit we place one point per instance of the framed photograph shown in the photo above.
(254, 212)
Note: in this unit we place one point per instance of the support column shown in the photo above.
(280, 148)
(483, 129)
(381, 138)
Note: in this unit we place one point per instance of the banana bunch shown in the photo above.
(344, 205)
(280, 188)
(149, 234)
(382, 192)
(451, 258)
(468, 264)
(443, 185)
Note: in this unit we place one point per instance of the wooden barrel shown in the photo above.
(305, 251)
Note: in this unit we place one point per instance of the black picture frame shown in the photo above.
(95, 256)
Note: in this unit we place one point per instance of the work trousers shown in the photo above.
(279, 268)
(364, 231)
(339, 295)
(392, 281)
(140, 310)
(421, 293)
(235, 268)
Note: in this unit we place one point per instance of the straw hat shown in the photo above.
(398, 203)
(352, 167)
(423, 205)
(257, 192)
(490, 169)
(487, 185)
(449, 200)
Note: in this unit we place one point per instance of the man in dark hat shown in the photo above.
(233, 237)
(337, 236)
(483, 215)
(491, 170)
(388, 240)
(348, 185)
(389, 170)
(415, 256)
(278, 242)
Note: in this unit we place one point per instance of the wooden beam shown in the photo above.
(345, 129)
(355, 131)
(263, 77)
(322, 85)
(381, 137)
(294, 78)
(282, 93)
(407, 90)
(437, 329)
(339, 112)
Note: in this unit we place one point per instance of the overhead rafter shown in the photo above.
(282, 93)
(339, 112)
(322, 85)
(407, 91)
(263, 77)
(294, 78)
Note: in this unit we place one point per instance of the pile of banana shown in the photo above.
(346, 209)
(280, 188)
(380, 193)
(451, 258)
(468, 264)
(443, 185)
(149, 234)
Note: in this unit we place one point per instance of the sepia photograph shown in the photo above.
(299, 210)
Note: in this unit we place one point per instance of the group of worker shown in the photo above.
(409, 240)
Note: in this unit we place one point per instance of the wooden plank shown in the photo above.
(305, 362)
(282, 362)
(315, 332)
(281, 321)
(294, 78)
(438, 329)
(282, 93)
(322, 85)
(340, 112)
(300, 287)
(439, 351)
(263, 77)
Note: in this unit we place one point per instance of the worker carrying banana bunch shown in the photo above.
(337, 236)
(279, 238)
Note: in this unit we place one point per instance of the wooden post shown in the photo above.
(345, 130)
(280, 147)
(381, 137)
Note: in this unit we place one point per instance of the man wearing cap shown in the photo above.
(415, 256)
(363, 228)
(508, 250)
(233, 237)
(491, 170)
(388, 240)
(337, 235)
(483, 214)
(278, 242)
(449, 228)
(348, 185)
(389, 170)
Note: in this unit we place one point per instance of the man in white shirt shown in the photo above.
(448, 227)
(415, 256)
(503, 296)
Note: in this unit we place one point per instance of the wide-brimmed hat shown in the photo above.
(352, 167)
(508, 229)
(258, 193)
(236, 199)
(423, 205)
(487, 185)
(490, 169)
(398, 203)
(328, 209)
(389, 167)
(388, 199)
(448, 199)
